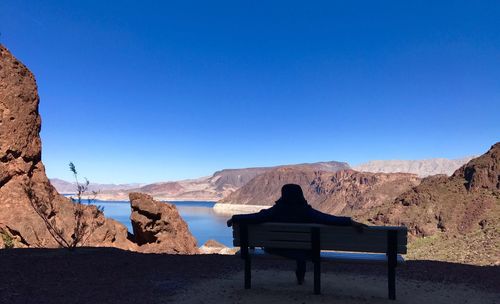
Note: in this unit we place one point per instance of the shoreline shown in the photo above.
(232, 209)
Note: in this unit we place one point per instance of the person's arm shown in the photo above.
(319, 217)
(328, 219)
(358, 226)
(264, 215)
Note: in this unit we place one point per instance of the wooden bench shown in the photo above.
(374, 244)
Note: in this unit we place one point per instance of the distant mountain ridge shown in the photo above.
(224, 182)
(64, 187)
(211, 188)
(422, 168)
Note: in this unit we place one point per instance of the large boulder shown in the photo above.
(158, 227)
(21, 168)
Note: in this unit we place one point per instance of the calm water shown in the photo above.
(203, 222)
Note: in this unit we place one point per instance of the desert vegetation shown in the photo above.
(86, 220)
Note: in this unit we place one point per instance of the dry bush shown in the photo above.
(86, 220)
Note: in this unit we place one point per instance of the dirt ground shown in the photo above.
(107, 275)
(278, 287)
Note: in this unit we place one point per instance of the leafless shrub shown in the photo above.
(86, 220)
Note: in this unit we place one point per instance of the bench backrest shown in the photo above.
(300, 236)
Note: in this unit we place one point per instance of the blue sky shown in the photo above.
(143, 91)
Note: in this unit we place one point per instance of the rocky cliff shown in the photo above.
(21, 168)
(460, 214)
(346, 192)
(454, 204)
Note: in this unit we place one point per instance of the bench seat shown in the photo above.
(338, 257)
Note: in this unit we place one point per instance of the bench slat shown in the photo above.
(306, 227)
(339, 257)
(326, 237)
(307, 245)
(280, 244)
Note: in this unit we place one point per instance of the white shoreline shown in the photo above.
(231, 209)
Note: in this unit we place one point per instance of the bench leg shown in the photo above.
(300, 271)
(392, 282)
(317, 278)
(248, 274)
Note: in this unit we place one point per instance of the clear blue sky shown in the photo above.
(143, 91)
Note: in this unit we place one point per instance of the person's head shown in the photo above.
(292, 194)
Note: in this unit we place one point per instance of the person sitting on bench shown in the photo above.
(292, 207)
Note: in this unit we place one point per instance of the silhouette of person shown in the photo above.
(292, 207)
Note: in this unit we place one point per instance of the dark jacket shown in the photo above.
(289, 212)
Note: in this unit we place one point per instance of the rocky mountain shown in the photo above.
(212, 188)
(345, 192)
(459, 215)
(422, 168)
(22, 170)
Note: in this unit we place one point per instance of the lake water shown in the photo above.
(203, 222)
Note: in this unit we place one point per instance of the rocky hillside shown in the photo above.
(21, 168)
(422, 168)
(346, 192)
(212, 188)
(458, 215)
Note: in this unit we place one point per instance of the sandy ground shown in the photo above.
(279, 287)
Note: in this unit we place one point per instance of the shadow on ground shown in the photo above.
(109, 275)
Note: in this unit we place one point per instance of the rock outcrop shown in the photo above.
(456, 204)
(158, 227)
(482, 172)
(460, 214)
(21, 168)
(214, 247)
(345, 192)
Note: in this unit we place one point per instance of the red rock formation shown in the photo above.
(466, 201)
(345, 192)
(21, 165)
(482, 172)
(158, 227)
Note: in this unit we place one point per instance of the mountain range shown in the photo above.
(223, 183)
(422, 168)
